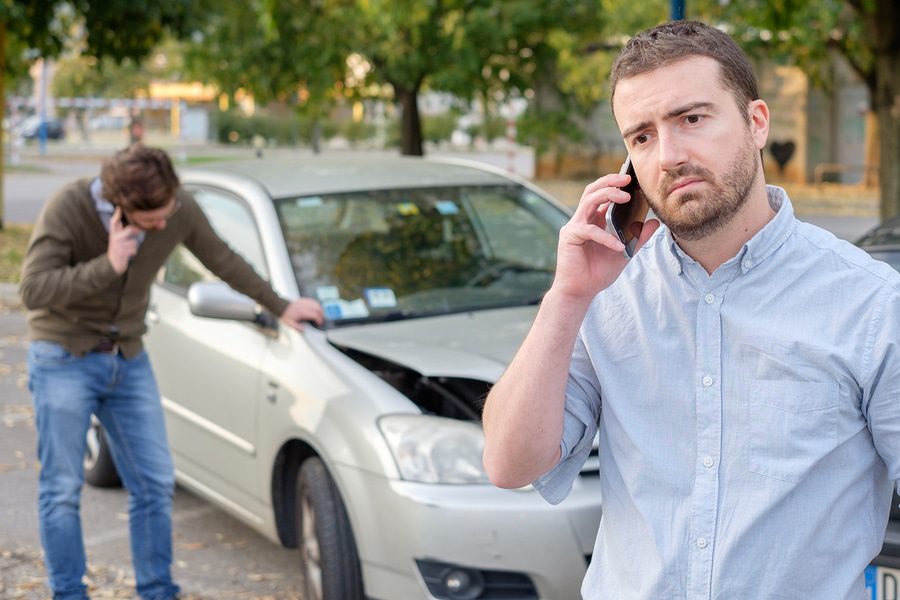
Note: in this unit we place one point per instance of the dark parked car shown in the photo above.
(883, 576)
(30, 128)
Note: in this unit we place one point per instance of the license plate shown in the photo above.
(882, 583)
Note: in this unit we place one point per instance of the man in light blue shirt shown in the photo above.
(743, 369)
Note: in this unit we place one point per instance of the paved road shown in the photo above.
(216, 556)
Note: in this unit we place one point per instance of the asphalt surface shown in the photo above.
(216, 556)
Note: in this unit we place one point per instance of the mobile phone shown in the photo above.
(619, 217)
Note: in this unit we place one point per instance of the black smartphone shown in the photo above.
(619, 217)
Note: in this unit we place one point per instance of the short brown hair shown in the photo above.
(676, 41)
(139, 178)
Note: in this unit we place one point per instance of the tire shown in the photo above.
(328, 553)
(99, 469)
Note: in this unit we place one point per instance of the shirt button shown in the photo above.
(701, 543)
(707, 381)
(710, 298)
(748, 263)
(708, 462)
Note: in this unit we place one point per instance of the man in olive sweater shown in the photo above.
(86, 279)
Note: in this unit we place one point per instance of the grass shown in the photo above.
(13, 241)
(199, 160)
(23, 168)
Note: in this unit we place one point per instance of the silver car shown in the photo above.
(361, 442)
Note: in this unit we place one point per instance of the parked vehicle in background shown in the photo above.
(30, 128)
(361, 442)
(883, 576)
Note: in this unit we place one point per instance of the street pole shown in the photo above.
(42, 109)
(677, 10)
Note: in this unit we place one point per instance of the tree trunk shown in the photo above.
(870, 162)
(887, 103)
(2, 112)
(410, 123)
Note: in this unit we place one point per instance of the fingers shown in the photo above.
(606, 189)
(301, 310)
(118, 228)
(115, 222)
(579, 234)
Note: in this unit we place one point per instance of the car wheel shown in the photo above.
(99, 469)
(328, 553)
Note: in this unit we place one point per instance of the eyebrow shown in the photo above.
(677, 112)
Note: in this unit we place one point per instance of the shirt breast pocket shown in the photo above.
(792, 425)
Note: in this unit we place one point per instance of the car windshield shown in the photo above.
(397, 254)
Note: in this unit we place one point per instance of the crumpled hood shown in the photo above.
(475, 345)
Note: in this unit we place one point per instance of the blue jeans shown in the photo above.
(123, 394)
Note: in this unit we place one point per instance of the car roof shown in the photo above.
(284, 177)
(887, 234)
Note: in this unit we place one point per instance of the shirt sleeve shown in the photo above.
(582, 413)
(217, 256)
(50, 278)
(881, 388)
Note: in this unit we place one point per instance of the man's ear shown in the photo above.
(758, 113)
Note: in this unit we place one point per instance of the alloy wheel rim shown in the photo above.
(92, 450)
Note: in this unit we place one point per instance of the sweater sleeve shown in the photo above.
(49, 277)
(226, 264)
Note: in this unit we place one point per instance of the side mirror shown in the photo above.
(216, 300)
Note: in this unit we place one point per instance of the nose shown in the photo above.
(672, 152)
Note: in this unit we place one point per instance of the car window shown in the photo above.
(232, 220)
(511, 229)
(403, 253)
(890, 257)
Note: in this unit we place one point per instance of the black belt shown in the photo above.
(106, 346)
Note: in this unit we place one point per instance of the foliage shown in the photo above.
(13, 242)
(548, 130)
(492, 128)
(277, 127)
(313, 54)
(439, 128)
(357, 131)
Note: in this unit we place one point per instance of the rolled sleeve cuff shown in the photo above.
(575, 447)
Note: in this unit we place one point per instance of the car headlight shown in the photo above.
(429, 449)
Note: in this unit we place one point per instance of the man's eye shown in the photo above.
(693, 119)
(639, 139)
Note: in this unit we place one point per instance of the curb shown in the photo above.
(9, 294)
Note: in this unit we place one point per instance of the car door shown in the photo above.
(208, 369)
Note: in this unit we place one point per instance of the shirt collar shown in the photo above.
(766, 241)
(105, 208)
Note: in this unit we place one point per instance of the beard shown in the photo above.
(696, 215)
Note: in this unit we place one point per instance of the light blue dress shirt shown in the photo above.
(750, 423)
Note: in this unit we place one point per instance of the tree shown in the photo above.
(334, 49)
(120, 29)
(865, 32)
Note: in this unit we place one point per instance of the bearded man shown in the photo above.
(742, 369)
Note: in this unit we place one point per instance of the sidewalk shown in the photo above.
(9, 295)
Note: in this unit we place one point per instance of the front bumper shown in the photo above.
(479, 526)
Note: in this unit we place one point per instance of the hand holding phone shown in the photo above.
(621, 217)
(122, 245)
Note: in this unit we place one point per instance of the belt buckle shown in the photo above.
(107, 346)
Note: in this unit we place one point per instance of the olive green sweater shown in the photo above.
(75, 298)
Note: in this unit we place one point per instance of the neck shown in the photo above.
(715, 249)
